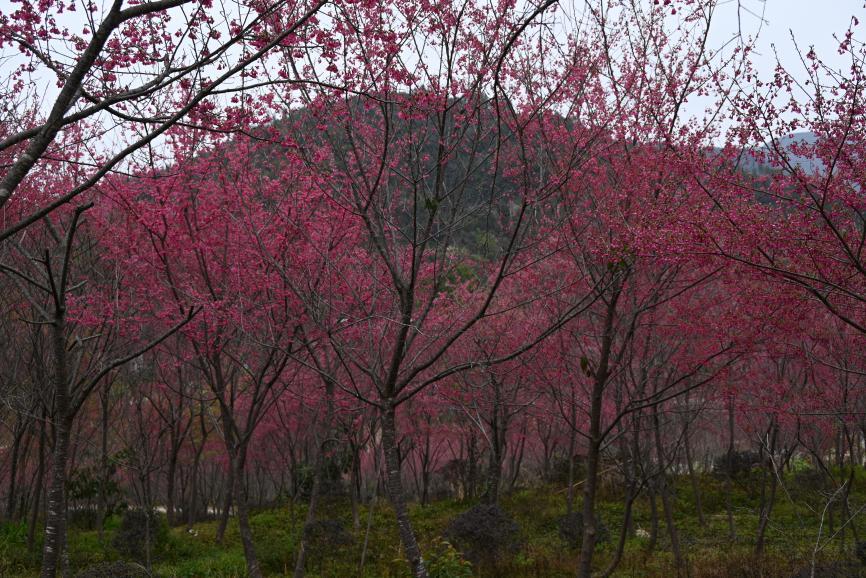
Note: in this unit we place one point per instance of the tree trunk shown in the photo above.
(227, 505)
(766, 510)
(494, 468)
(13, 468)
(667, 505)
(729, 474)
(317, 478)
(587, 546)
(767, 502)
(355, 480)
(240, 499)
(572, 441)
(196, 464)
(37, 489)
(471, 468)
(654, 518)
(311, 514)
(425, 471)
(853, 461)
(370, 509)
(55, 519)
(169, 486)
(693, 478)
(193, 492)
(494, 478)
(623, 533)
(517, 459)
(55, 522)
(590, 487)
(103, 462)
(396, 495)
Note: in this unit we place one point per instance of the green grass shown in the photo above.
(711, 553)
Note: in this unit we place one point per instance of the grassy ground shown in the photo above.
(791, 540)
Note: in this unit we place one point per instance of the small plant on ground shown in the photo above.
(446, 562)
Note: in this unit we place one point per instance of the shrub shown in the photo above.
(13, 533)
(331, 482)
(860, 552)
(482, 533)
(13, 548)
(114, 570)
(324, 536)
(809, 482)
(571, 530)
(82, 518)
(137, 527)
(737, 463)
(831, 570)
(558, 471)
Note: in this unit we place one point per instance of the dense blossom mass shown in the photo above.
(272, 252)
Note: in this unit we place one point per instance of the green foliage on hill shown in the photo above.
(540, 550)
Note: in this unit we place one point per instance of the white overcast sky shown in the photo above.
(812, 22)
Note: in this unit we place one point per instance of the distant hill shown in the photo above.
(752, 165)
(803, 162)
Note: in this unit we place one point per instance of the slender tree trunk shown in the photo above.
(840, 452)
(311, 514)
(729, 474)
(667, 505)
(355, 480)
(425, 470)
(13, 468)
(494, 478)
(471, 468)
(396, 495)
(103, 462)
(169, 486)
(238, 461)
(572, 441)
(317, 478)
(149, 514)
(25, 495)
(55, 522)
(590, 487)
(227, 505)
(654, 519)
(370, 509)
(494, 468)
(517, 459)
(766, 510)
(853, 461)
(623, 533)
(693, 477)
(769, 501)
(196, 464)
(587, 546)
(37, 490)
(220, 387)
(193, 490)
